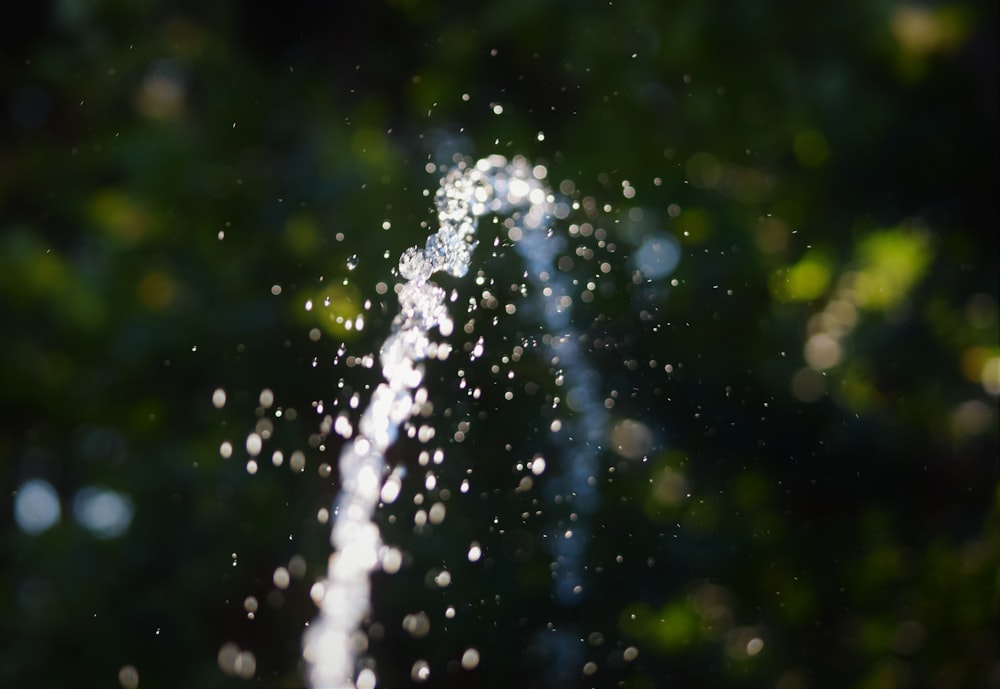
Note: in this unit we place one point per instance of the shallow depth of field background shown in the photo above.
(798, 486)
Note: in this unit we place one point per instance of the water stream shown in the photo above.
(516, 191)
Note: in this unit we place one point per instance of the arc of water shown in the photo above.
(492, 185)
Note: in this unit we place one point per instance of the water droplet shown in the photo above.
(352, 262)
(421, 671)
(418, 625)
(470, 659)
(128, 677)
(254, 444)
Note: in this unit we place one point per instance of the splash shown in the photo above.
(468, 192)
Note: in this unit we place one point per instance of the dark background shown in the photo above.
(810, 457)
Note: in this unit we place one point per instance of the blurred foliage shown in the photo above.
(799, 487)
